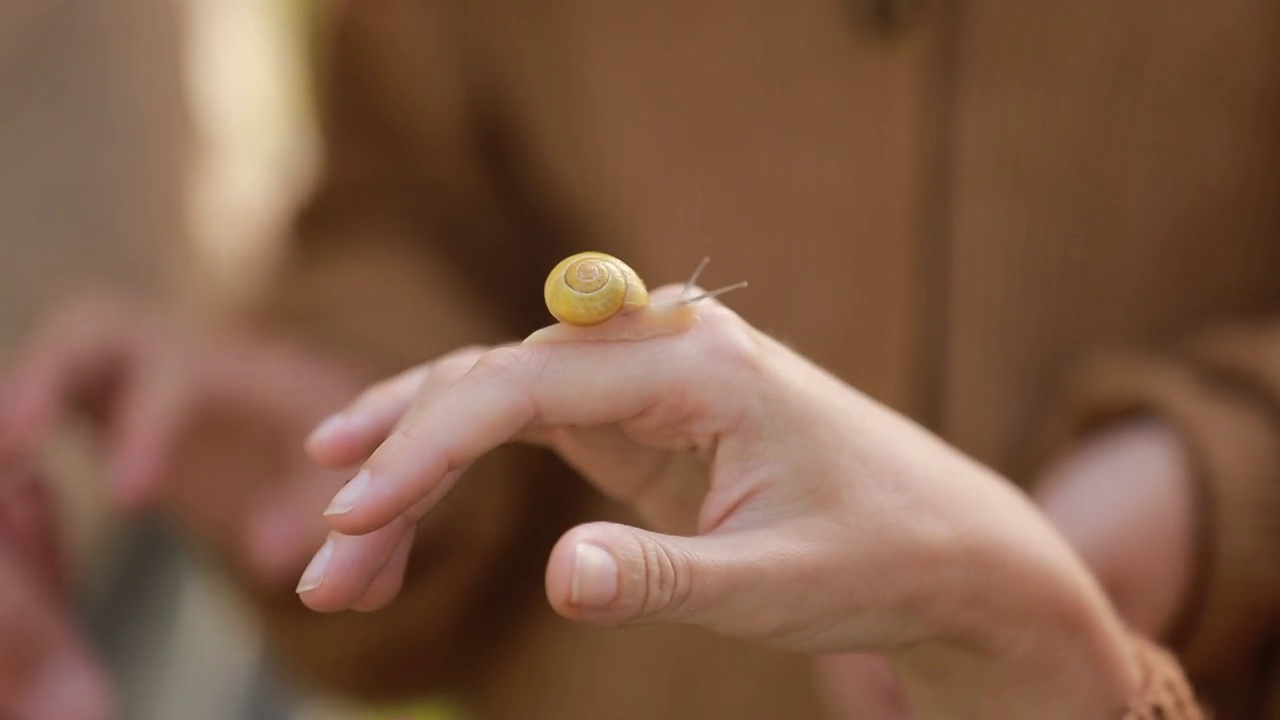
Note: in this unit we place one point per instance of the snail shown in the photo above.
(590, 289)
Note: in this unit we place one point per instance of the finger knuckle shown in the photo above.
(455, 365)
(376, 393)
(466, 354)
(505, 363)
(729, 343)
(411, 438)
(667, 584)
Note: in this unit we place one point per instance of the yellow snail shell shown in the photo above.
(585, 291)
(591, 287)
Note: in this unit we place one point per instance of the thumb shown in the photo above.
(613, 574)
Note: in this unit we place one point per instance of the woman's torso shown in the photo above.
(945, 214)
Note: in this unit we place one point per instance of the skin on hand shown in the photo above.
(786, 508)
(209, 429)
(28, 528)
(46, 669)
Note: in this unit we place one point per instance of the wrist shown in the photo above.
(1045, 643)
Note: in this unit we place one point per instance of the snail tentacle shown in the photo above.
(717, 293)
(693, 279)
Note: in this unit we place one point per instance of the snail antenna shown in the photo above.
(717, 293)
(693, 279)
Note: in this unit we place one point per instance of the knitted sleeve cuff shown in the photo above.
(1163, 690)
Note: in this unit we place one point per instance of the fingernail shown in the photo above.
(349, 495)
(329, 427)
(595, 576)
(314, 574)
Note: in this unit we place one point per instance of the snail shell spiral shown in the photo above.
(591, 287)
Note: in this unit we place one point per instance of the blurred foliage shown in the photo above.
(429, 710)
(310, 19)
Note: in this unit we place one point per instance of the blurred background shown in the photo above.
(155, 148)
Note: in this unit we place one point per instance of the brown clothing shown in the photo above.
(1011, 221)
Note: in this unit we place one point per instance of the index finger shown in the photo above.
(511, 389)
(52, 368)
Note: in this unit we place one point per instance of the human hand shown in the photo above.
(820, 521)
(208, 428)
(28, 528)
(46, 670)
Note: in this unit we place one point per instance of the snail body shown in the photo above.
(596, 296)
